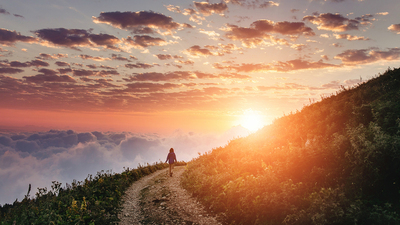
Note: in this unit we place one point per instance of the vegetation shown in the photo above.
(96, 200)
(334, 162)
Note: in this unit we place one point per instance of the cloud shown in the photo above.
(3, 11)
(298, 47)
(62, 64)
(395, 28)
(107, 73)
(45, 56)
(187, 62)
(288, 28)
(17, 15)
(350, 37)
(107, 40)
(337, 45)
(41, 157)
(9, 38)
(338, 23)
(95, 58)
(382, 13)
(74, 38)
(119, 58)
(253, 4)
(39, 63)
(149, 87)
(207, 8)
(10, 70)
(93, 66)
(194, 15)
(286, 86)
(65, 71)
(212, 34)
(49, 76)
(83, 72)
(228, 48)
(196, 51)
(173, 8)
(260, 31)
(143, 41)
(354, 57)
(154, 76)
(325, 57)
(102, 73)
(164, 56)
(4, 50)
(20, 64)
(332, 85)
(280, 66)
(139, 66)
(211, 50)
(336, 84)
(36, 63)
(135, 21)
(181, 75)
(133, 57)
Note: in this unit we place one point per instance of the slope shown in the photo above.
(333, 162)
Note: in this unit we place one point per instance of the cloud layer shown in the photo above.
(41, 157)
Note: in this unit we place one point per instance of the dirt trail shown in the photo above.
(159, 199)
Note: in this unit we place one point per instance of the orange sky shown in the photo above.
(146, 66)
(165, 122)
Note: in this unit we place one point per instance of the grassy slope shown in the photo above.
(334, 162)
(96, 200)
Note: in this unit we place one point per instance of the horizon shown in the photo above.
(177, 74)
(40, 157)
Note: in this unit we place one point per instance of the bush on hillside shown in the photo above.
(334, 162)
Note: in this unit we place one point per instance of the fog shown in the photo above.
(38, 158)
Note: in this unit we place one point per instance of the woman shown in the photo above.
(171, 158)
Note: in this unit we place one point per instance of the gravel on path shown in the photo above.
(160, 199)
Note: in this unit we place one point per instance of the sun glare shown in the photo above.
(252, 120)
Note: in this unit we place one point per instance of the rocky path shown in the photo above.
(159, 199)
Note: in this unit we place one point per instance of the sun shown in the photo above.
(252, 120)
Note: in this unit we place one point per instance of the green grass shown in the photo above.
(96, 200)
(334, 162)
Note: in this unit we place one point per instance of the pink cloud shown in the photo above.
(366, 56)
(207, 8)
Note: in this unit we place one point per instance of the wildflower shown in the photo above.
(74, 205)
(83, 206)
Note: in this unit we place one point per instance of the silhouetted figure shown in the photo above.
(171, 158)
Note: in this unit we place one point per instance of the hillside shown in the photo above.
(96, 200)
(334, 162)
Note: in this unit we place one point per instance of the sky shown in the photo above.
(158, 66)
(155, 73)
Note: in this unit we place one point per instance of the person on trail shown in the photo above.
(171, 158)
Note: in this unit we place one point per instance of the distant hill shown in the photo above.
(337, 161)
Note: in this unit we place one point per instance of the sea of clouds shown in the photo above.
(38, 158)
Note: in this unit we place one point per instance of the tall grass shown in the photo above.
(96, 200)
(334, 162)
